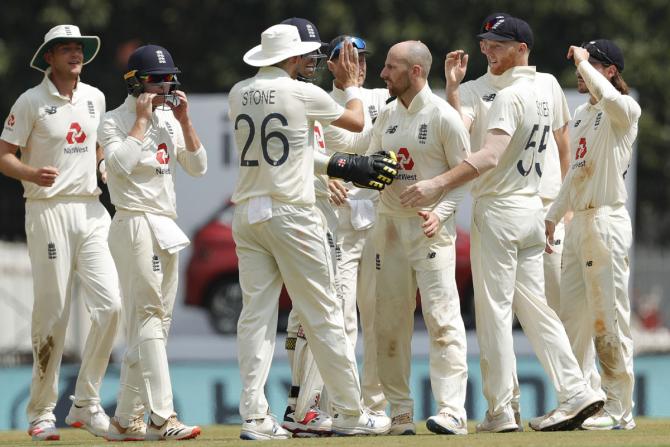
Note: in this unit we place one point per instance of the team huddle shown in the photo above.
(348, 199)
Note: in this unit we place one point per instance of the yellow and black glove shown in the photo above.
(365, 171)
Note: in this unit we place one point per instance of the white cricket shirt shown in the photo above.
(601, 137)
(477, 97)
(429, 138)
(146, 184)
(52, 130)
(273, 117)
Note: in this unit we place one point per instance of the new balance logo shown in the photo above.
(155, 263)
(50, 110)
(431, 255)
(423, 133)
(51, 250)
(488, 98)
(391, 129)
(577, 123)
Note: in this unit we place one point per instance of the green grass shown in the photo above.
(649, 432)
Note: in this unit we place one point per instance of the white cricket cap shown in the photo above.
(278, 42)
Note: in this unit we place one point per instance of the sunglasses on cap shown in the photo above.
(158, 78)
(357, 42)
(597, 53)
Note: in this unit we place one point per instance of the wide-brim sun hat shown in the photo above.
(278, 42)
(65, 33)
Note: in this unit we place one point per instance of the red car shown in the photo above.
(212, 278)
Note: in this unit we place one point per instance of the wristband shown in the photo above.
(351, 93)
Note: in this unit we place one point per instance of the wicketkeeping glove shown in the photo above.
(365, 171)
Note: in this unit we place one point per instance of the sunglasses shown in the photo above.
(597, 53)
(158, 78)
(357, 42)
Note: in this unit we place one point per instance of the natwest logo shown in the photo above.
(581, 149)
(11, 120)
(162, 155)
(75, 134)
(404, 159)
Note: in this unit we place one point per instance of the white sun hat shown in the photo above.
(278, 42)
(65, 33)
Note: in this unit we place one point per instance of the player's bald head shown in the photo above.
(414, 52)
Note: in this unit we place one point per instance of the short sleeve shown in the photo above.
(468, 101)
(506, 112)
(319, 106)
(19, 123)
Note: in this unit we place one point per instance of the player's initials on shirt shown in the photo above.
(257, 97)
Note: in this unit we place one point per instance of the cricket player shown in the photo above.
(279, 235)
(507, 240)
(595, 306)
(473, 100)
(144, 139)
(416, 246)
(54, 125)
(303, 415)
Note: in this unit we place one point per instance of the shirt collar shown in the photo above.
(51, 88)
(419, 100)
(272, 72)
(510, 76)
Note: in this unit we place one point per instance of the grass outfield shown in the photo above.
(649, 432)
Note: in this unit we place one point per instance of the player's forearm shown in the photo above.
(191, 138)
(12, 167)
(447, 205)
(561, 136)
(320, 163)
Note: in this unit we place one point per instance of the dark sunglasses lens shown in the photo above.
(357, 42)
(157, 79)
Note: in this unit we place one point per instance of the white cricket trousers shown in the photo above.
(68, 237)
(291, 247)
(506, 245)
(357, 276)
(594, 302)
(148, 277)
(305, 375)
(406, 259)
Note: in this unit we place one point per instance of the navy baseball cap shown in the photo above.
(509, 29)
(491, 20)
(152, 59)
(605, 51)
(307, 30)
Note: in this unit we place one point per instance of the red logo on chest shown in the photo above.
(75, 134)
(162, 155)
(405, 159)
(581, 149)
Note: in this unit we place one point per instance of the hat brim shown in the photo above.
(90, 46)
(257, 58)
(492, 36)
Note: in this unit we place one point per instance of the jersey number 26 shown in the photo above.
(265, 137)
